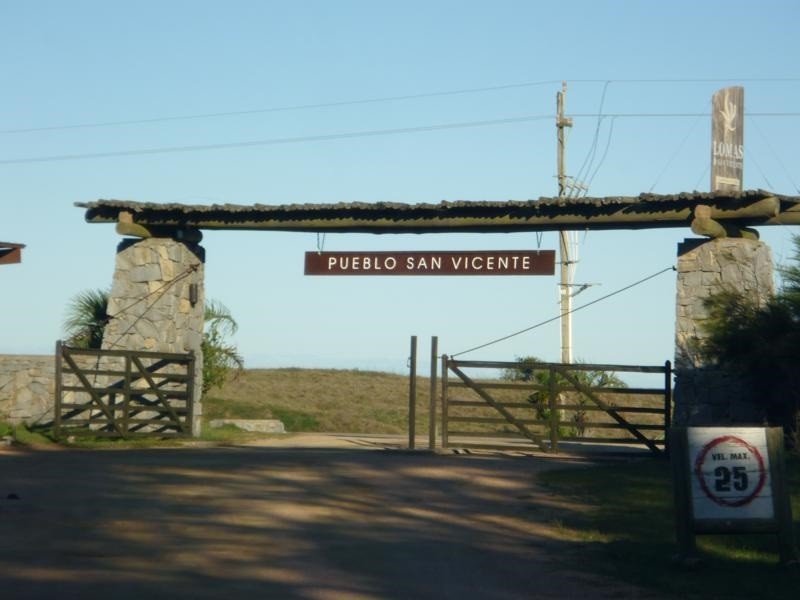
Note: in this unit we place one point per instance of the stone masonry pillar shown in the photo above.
(150, 306)
(705, 395)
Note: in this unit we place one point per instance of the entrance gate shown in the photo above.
(547, 403)
(122, 393)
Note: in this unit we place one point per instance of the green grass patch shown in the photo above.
(295, 420)
(627, 532)
(25, 436)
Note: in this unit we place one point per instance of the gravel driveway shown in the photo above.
(353, 521)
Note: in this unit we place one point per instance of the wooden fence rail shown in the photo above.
(552, 404)
(122, 393)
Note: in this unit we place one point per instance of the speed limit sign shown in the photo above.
(730, 480)
(730, 473)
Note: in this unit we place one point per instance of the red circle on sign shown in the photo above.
(698, 470)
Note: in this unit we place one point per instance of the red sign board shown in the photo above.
(10, 253)
(483, 262)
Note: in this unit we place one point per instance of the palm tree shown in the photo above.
(86, 318)
(219, 356)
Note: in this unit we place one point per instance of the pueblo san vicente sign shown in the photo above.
(484, 262)
(730, 480)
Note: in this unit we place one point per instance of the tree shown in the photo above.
(219, 356)
(86, 319)
(528, 371)
(760, 342)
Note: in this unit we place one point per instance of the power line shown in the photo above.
(295, 107)
(676, 153)
(775, 155)
(556, 318)
(273, 141)
(381, 99)
(349, 135)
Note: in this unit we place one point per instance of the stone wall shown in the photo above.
(151, 305)
(705, 395)
(27, 388)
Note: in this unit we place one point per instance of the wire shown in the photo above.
(344, 135)
(296, 107)
(589, 159)
(276, 141)
(760, 170)
(703, 175)
(280, 108)
(556, 318)
(161, 291)
(777, 158)
(603, 157)
(675, 154)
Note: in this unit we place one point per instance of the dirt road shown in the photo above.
(350, 522)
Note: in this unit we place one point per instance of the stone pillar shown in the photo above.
(705, 395)
(149, 305)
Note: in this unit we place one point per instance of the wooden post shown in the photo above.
(191, 368)
(552, 399)
(126, 400)
(412, 394)
(667, 404)
(681, 486)
(780, 497)
(444, 400)
(432, 404)
(57, 407)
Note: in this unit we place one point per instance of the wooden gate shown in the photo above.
(121, 393)
(551, 403)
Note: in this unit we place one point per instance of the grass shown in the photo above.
(627, 532)
(341, 401)
(21, 434)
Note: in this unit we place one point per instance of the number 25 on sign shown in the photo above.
(730, 480)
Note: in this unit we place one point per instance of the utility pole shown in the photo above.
(565, 295)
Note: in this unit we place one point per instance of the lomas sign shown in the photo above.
(485, 262)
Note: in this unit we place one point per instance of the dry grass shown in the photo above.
(342, 401)
(352, 401)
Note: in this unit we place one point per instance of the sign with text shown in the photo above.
(730, 473)
(727, 140)
(482, 262)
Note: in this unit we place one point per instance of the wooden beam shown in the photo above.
(190, 235)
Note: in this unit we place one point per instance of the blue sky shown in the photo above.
(153, 68)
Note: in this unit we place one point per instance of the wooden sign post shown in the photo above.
(730, 480)
(727, 140)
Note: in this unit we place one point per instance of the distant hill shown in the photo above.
(343, 401)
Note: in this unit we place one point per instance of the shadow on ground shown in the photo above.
(281, 523)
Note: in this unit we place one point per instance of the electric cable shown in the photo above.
(556, 318)
(348, 135)
(775, 155)
(318, 105)
(675, 154)
(603, 157)
(276, 141)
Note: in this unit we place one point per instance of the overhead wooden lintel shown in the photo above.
(704, 224)
(183, 234)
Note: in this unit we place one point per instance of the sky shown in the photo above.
(203, 102)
